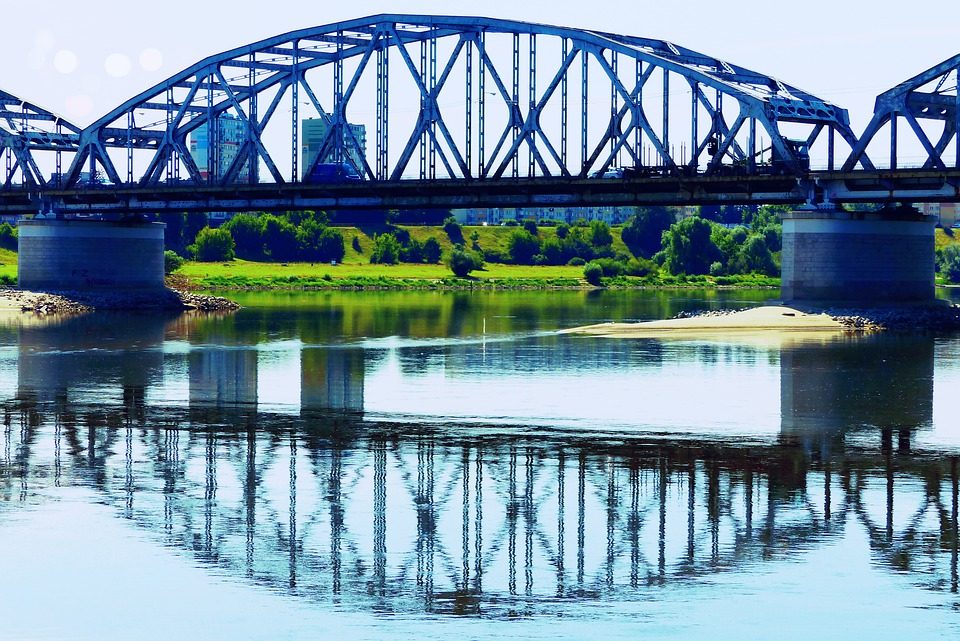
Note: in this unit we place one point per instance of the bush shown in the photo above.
(949, 262)
(247, 232)
(8, 237)
(463, 261)
(600, 235)
(356, 245)
(453, 229)
(576, 261)
(279, 238)
(688, 247)
(522, 246)
(386, 249)
(592, 272)
(611, 268)
(432, 250)
(172, 261)
(530, 225)
(562, 230)
(213, 245)
(642, 234)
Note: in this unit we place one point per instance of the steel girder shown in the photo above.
(930, 96)
(493, 99)
(26, 129)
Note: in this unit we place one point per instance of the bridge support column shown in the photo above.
(90, 255)
(835, 256)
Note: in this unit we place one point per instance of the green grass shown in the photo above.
(8, 268)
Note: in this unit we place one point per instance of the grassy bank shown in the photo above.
(8, 267)
(239, 275)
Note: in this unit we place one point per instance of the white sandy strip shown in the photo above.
(750, 320)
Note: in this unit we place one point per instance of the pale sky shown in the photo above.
(80, 59)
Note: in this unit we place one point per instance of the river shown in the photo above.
(436, 465)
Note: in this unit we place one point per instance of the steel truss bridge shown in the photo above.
(462, 112)
(403, 518)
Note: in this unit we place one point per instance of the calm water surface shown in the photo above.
(446, 465)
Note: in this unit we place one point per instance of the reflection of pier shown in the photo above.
(402, 517)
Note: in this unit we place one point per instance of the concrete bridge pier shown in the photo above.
(90, 255)
(836, 256)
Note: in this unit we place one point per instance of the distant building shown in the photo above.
(232, 131)
(314, 132)
(612, 215)
(948, 214)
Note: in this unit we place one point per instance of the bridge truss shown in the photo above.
(25, 130)
(455, 97)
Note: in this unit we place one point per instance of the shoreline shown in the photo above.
(74, 302)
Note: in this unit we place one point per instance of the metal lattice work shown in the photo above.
(25, 130)
(930, 104)
(457, 97)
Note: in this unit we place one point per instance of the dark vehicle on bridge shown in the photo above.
(332, 172)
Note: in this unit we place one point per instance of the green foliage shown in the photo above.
(562, 230)
(576, 261)
(688, 247)
(530, 225)
(600, 235)
(522, 246)
(453, 229)
(8, 236)
(643, 232)
(194, 222)
(754, 256)
(386, 249)
(279, 238)
(463, 261)
(593, 272)
(247, 232)
(213, 245)
(317, 243)
(172, 261)
(356, 245)
(948, 260)
(432, 250)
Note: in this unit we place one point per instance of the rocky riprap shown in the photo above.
(43, 303)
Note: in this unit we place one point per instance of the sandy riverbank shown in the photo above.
(938, 316)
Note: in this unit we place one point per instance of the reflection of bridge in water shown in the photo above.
(329, 505)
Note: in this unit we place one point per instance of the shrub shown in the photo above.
(386, 249)
(172, 261)
(576, 261)
(610, 267)
(530, 225)
(213, 245)
(600, 235)
(432, 250)
(522, 246)
(356, 245)
(453, 229)
(949, 262)
(562, 230)
(279, 238)
(592, 272)
(247, 232)
(463, 261)
(8, 236)
(643, 232)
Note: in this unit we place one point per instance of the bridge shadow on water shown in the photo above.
(334, 504)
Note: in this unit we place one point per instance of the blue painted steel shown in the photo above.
(25, 130)
(930, 96)
(159, 120)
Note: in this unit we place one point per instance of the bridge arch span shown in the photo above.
(432, 97)
(28, 131)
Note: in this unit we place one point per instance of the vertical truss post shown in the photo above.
(564, 103)
(129, 146)
(893, 141)
(584, 74)
(339, 117)
(295, 114)
(433, 106)
(423, 109)
(482, 112)
(752, 145)
(58, 159)
(956, 116)
(614, 106)
(515, 106)
(383, 80)
(666, 119)
(531, 168)
(830, 148)
(253, 158)
(469, 107)
(694, 125)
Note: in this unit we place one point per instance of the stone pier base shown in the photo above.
(857, 257)
(90, 255)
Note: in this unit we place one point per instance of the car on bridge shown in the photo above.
(332, 172)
